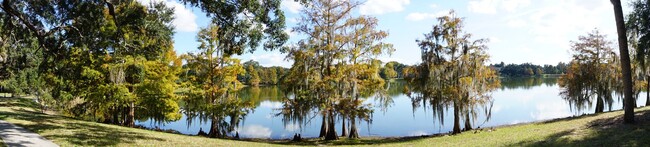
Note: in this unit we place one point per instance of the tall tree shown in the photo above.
(638, 23)
(580, 86)
(213, 85)
(336, 63)
(453, 72)
(629, 102)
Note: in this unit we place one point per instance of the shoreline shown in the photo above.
(402, 138)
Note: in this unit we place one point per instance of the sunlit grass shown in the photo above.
(70, 132)
(604, 129)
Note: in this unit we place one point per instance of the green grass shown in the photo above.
(604, 129)
(70, 132)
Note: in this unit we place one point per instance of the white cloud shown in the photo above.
(544, 28)
(492, 6)
(291, 5)
(184, 19)
(555, 23)
(416, 16)
(516, 23)
(483, 6)
(254, 131)
(494, 40)
(271, 59)
(512, 5)
(379, 7)
(433, 6)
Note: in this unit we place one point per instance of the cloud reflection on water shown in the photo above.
(417, 133)
(270, 104)
(550, 109)
(292, 127)
(254, 131)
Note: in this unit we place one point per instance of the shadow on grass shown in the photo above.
(74, 132)
(18, 102)
(602, 132)
(90, 134)
(341, 141)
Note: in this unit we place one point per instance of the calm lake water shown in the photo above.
(517, 101)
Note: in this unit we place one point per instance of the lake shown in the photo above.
(519, 100)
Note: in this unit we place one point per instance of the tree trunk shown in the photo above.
(123, 113)
(468, 123)
(344, 130)
(388, 87)
(600, 105)
(625, 62)
(354, 133)
(214, 128)
(331, 130)
(456, 129)
(323, 127)
(130, 120)
(647, 91)
(116, 116)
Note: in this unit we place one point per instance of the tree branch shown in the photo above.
(7, 8)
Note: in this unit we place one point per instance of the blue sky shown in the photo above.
(520, 31)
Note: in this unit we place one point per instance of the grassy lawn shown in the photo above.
(604, 129)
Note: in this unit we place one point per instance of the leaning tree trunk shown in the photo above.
(628, 117)
(456, 129)
(331, 130)
(354, 133)
(323, 127)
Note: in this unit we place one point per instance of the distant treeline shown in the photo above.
(260, 75)
(528, 69)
